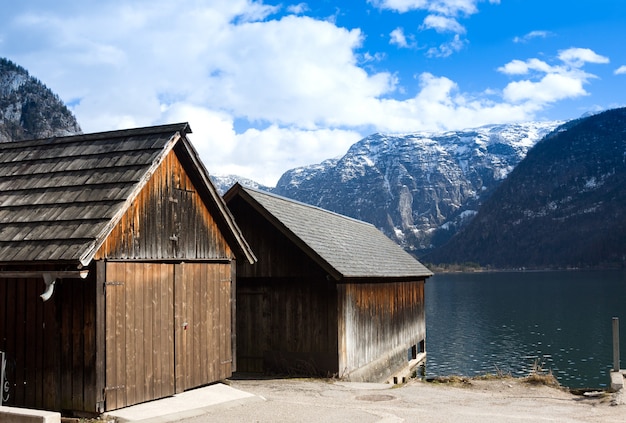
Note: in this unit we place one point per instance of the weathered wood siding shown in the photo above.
(287, 325)
(51, 346)
(168, 220)
(168, 329)
(378, 319)
(286, 307)
(202, 324)
(140, 333)
(276, 255)
(168, 323)
(292, 316)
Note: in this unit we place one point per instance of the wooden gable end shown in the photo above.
(167, 220)
(277, 255)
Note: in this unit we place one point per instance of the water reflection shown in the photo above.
(507, 322)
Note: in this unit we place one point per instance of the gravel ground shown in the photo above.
(494, 400)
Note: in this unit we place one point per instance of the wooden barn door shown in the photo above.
(168, 329)
(139, 334)
(202, 324)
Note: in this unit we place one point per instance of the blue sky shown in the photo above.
(268, 86)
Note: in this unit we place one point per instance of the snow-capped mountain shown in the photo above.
(564, 205)
(224, 182)
(418, 188)
(28, 109)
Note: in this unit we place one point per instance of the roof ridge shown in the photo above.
(118, 133)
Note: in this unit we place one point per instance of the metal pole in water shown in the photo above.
(616, 344)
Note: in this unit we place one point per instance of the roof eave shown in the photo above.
(88, 255)
(229, 219)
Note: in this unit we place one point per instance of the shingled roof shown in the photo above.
(60, 197)
(344, 247)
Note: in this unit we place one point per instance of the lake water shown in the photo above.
(479, 323)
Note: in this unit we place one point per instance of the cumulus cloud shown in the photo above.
(442, 24)
(621, 70)
(397, 37)
(531, 35)
(447, 49)
(298, 9)
(442, 17)
(446, 7)
(548, 83)
(577, 57)
(264, 92)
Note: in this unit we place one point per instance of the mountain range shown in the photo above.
(417, 188)
(534, 195)
(563, 206)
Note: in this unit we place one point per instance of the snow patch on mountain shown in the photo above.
(411, 185)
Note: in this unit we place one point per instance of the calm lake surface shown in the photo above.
(479, 323)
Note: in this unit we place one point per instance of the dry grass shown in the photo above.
(538, 376)
(451, 380)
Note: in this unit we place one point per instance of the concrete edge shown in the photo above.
(25, 415)
(187, 414)
(617, 380)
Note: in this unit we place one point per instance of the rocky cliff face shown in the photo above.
(564, 205)
(28, 109)
(417, 188)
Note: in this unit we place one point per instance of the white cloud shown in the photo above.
(442, 24)
(262, 155)
(579, 56)
(550, 83)
(531, 35)
(298, 9)
(397, 37)
(447, 49)
(263, 94)
(519, 67)
(621, 70)
(442, 17)
(447, 7)
(550, 88)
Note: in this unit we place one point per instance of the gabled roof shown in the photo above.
(344, 247)
(61, 197)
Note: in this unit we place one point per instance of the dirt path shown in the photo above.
(497, 400)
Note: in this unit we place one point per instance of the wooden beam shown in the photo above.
(76, 274)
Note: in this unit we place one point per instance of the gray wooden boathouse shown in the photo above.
(329, 295)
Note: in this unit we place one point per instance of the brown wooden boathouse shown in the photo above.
(126, 235)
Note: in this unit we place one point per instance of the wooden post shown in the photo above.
(616, 344)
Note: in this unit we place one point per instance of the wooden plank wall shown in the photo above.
(288, 324)
(168, 220)
(51, 346)
(277, 255)
(140, 333)
(286, 306)
(203, 324)
(377, 318)
(168, 329)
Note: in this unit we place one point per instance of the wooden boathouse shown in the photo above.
(329, 295)
(117, 270)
